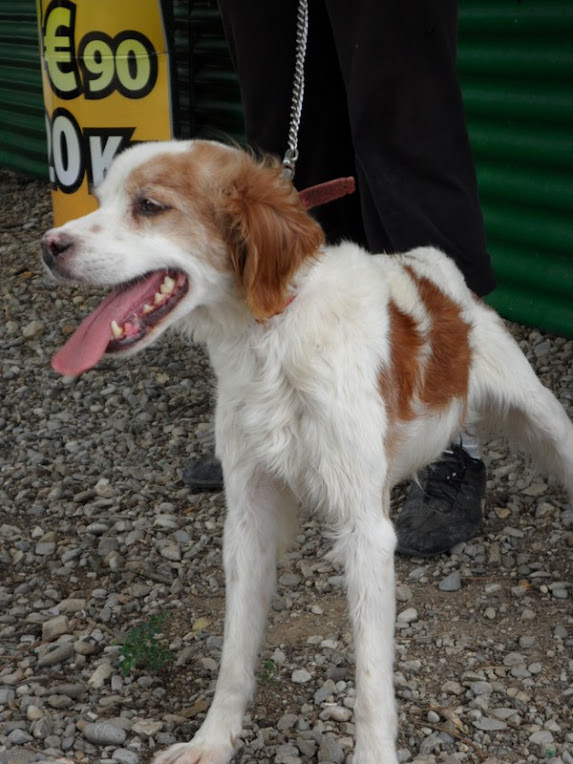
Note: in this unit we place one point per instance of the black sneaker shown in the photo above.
(204, 475)
(445, 508)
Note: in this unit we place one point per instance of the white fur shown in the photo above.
(300, 418)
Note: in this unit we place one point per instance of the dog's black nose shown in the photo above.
(53, 244)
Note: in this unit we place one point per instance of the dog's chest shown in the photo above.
(271, 412)
(290, 408)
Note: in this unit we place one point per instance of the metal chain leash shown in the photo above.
(291, 154)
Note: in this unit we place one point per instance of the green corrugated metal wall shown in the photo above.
(516, 68)
(22, 128)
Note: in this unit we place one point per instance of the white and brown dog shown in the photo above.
(339, 373)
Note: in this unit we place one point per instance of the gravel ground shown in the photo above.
(99, 535)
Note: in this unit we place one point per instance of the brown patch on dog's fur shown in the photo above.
(431, 369)
(447, 372)
(401, 381)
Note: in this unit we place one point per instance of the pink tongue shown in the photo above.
(89, 342)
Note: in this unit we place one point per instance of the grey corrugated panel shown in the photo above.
(516, 69)
(22, 126)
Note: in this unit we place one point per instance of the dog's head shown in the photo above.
(180, 225)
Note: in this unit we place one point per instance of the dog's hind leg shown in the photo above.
(507, 397)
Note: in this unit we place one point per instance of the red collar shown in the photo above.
(316, 196)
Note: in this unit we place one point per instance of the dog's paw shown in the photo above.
(194, 753)
(384, 755)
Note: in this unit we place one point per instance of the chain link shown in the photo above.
(291, 154)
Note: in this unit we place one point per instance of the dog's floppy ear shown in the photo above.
(268, 232)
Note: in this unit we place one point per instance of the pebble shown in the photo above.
(408, 616)
(451, 583)
(104, 488)
(541, 738)
(104, 733)
(7, 695)
(171, 552)
(403, 593)
(289, 579)
(19, 737)
(330, 751)
(287, 754)
(287, 722)
(488, 724)
(54, 628)
(58, 654)
(33, 329)
(147, 727)
(71, 604)
(336, 713)
(45, 548)
(99, 677)
(481, 688)
(124, 756)
(327, 689)
(301, 676)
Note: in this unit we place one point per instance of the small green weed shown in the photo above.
(269, 672)
(141, 648)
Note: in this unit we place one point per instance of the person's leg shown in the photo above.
(415, 168)
(417, 186)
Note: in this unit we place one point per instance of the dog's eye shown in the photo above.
(149, 207)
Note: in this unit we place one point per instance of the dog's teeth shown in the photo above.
(158, 298)
(147, 309)
(116, 330)
(167, 286)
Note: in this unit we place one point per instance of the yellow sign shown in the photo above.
(105, 70)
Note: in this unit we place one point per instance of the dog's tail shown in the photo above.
(506, 394)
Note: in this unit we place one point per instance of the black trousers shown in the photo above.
(382, 103)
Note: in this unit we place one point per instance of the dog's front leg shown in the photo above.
(253, 529)
(366, 548)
